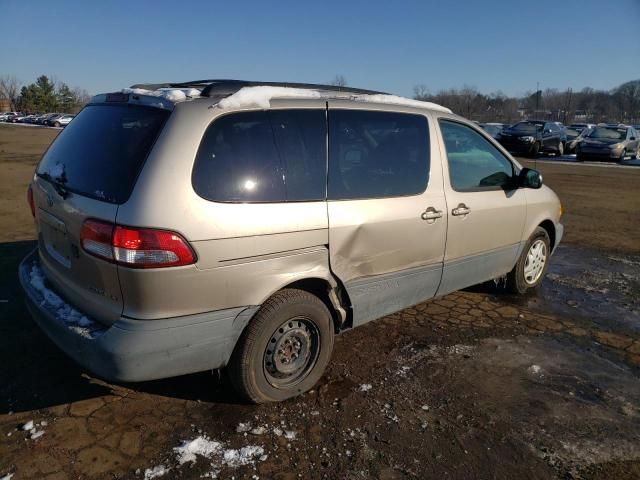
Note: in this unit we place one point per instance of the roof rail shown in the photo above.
(226, 87)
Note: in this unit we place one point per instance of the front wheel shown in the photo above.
(622, 156)
(535, 150)
(532, 264)
(285, 348)
(56, 124)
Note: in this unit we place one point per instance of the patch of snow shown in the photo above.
(425, 407)
(64, 312)
(169, 93)
(290, 435)
(57, 171)
(261, 96)
(258, 431)
(395, 100)
(535, 369)
(243, 456)
(8, 476)
(36, 434)
(188, 451)
(277, 432)
(314, 413)
(28, 425)
(243, 427)
(365, 387)
(155, 472)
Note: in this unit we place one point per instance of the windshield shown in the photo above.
(605, 133)
(527, 127)
(101, 152)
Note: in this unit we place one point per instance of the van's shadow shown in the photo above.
(35, 373)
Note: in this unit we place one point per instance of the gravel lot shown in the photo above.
(477, 384)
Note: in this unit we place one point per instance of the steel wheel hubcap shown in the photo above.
(534, 264)
(291, 352)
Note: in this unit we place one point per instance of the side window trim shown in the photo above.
(484, 135)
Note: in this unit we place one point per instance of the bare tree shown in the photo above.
(339, 81)
(10, 89)
(421, 92)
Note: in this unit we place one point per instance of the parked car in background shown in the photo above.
(492, 129)
(612, 143)
(582, 125)
(269, 264)
(5, 117)
(62, 120)
(574, 137)
(533, 137)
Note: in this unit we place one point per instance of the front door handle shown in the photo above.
(431, 215)
(460, 210)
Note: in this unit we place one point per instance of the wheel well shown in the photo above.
(322, 289)
(551, 231)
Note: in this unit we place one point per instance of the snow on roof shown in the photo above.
(172, 94)
(261, 96)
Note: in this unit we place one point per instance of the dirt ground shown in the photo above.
(477, 384)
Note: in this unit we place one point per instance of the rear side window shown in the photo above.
(474, 163)
(377, 154)
(101, 152)
(261, 156)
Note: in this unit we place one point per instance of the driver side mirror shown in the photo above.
(529, 178)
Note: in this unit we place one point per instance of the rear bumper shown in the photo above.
(136, 350)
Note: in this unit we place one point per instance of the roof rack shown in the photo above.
(226, 87)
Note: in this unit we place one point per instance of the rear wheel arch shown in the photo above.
(334, 296)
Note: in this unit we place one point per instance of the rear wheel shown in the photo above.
(622, 156)
(285, 348)
(532, 264)
(636, 155)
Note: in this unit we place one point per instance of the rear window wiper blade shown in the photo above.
(61, 189)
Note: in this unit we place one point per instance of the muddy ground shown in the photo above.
(477, 384)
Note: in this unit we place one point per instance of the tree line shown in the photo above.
(618, 105)
(42, 96)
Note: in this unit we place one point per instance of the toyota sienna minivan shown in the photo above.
(189, 227)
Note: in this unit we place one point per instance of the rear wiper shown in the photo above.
(59, 188)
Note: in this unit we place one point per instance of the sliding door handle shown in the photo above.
(431, 214)
(460, 210)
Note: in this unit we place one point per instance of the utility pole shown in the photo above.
(537, 97)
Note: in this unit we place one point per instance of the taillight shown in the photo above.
(32, 204)
(96, 238)
(135, 247)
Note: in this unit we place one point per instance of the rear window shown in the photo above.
(101, 152)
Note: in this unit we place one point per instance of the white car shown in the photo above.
(62, 121)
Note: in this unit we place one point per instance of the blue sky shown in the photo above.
(391, 46)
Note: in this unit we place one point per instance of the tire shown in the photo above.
(56, 124)
(535, 150)
(523, 277)
(622, 155)
(301, 324)
(636, 155)
(560, 151)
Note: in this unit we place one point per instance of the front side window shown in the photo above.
(474, 163)
(261, 156)
(375, 154)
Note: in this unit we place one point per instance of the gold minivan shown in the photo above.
(188, 227)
